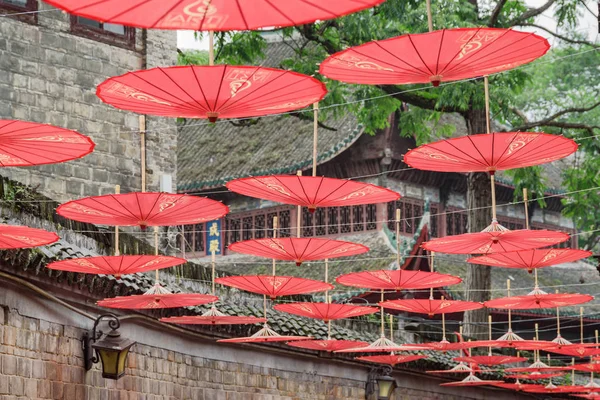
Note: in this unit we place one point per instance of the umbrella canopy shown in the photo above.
(325, 311)
(397, 279)
(328, 345)
(298, 249)
(443, 345)
(490, 152)
(431, 306)
(311, 191)
(24, 144)
(212, 15)
(471, 380)
(577, 350)
(266, 334)
(143, 209)
(540, 369)
(535, 376)
(490, 360)
(381, 345)
(439, 56)
(116, 265)
(526, 344)
(517, 386)
(530, 259)
(531, 301)
(274, 286)
(158, 300)
(495, 241)
(211, 92)
(22, 237)
(558, 389)
(391, 359)
(213, 320)
(591, 367)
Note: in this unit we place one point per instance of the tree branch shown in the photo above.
(561, 37)
(532, 12)
(496, 13)
(551, 120)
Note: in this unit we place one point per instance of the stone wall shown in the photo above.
(41, 358)
(49, 75)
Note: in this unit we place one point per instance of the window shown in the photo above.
(257, 224)
(337, 220)
(411, 213)
(118, 35)
(194, 238)
(456, 221)
(20, 7)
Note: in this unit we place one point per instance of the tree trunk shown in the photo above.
(478, 280)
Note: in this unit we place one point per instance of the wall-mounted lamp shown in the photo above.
(111, 349)
(379, 381)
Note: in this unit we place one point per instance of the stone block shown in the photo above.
(9, 365)
(16, 385)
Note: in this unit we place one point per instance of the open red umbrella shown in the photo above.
(535, 376)
(490, 359)
(213, 317)
(577, 350)
(212, 15)
(266, 334)
(517, 386)
(391, 359)
(397, 279)
(490, 152)
(328, 345)
(590, 367)
(325, 311)
(439, 56)
(143, 209)
(550, 388)
(116, 265)
(471, 380)
(157, 297)
(542, 368)
(495, 241)
(298, 249)
(27, 143)
(274, 286)
(211, 92)
(531, 259)
(431, 306)
(22, 237)
(531, 301)
(443, 346)
(311, 191)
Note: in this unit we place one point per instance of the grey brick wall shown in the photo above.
(49, 75)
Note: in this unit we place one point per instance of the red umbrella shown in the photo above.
(443, 345)
(264, 335)
(22, 237)
(298, 249)
(328, 345)
(490, 360)
(274, 286)
(325, 311)
(460, 368)
(490, 152)
(550, 388)
(213, 317)
(471, 380)
(517, 386)
(311, 191)
(397, 279)
(211, 92)
(382, 345)
(212, 15)
(539, 369)
(143, 209)
(116, 265)
(431, 306)
(531, 259)
(548, 300)
(577, 350)
(439, 56)
(495, 241)
(391, 359)
(157, 297)
(27, 143)
(535, 376)
(591, 367)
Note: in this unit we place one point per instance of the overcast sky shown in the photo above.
(588, 24)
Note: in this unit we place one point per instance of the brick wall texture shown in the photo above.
(49, 75)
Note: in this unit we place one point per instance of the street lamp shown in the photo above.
(380, 381)
(110, 349)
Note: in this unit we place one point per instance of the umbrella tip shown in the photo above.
(212, 116)
(435, 80)
(312, 209)
(118, 277)
(298, 263)
(143, 227)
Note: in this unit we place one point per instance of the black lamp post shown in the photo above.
(379, 381)
(111, 349)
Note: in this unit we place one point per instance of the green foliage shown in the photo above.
(192, 57)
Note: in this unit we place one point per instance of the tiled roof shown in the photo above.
(210, 155)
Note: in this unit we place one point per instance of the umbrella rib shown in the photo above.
(183, 90)
(437, 63)
(167, 12)
(396, 57)
(459, 51)
(225, 104)
(112, 210)
(419, 54)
